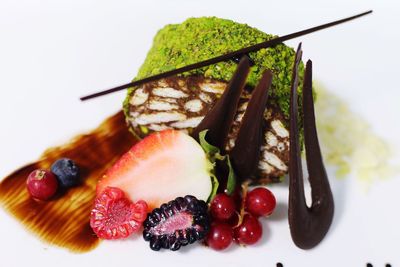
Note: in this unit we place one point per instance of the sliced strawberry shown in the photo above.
(114, 216)
(161, 167)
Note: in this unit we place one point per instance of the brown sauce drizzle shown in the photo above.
(308, 225)
(245, 154)
(64, 221)
(219, 119)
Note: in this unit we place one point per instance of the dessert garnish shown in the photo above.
(114, 216)
(178, 223)
(260, 202)
(66, 172)
(245, 155)
(161, 167)
(227, 56)
(219, 119)
(41, 184)
(308, 225)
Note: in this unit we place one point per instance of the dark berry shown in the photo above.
(177, 223)
(222, 207)
(249, 231)
(67, 172)
(220, 236)
(260, 202)
(41, 184)
(114, 216)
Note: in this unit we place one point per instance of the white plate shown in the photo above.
(51, 53)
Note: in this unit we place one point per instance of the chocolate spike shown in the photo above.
(219, 119)
(227, 56)
(308, 226)
(246, 153)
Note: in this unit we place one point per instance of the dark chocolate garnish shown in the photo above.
(225, 57)
(237, 59)
(245, 155)
(308, 225)
(219, 119)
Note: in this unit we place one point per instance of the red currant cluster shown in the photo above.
(239, 222)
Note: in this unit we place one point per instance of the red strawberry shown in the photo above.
(114, 216)
(161, 167)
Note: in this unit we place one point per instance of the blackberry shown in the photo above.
(177, 223)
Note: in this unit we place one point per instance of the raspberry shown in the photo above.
(114, 216)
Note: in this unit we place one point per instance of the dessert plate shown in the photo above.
(54, 53)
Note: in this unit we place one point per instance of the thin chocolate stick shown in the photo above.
(237, 53)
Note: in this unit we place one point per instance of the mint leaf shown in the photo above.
(214, 154)
(208, 148)
(231, 183)
(215, 185)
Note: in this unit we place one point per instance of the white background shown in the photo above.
(53, 52)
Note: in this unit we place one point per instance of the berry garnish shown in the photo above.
(66, 171)
(220, 236)
(222, 207)
(249, 231)
(161, 167)
(41, 184)
(260, 202)
(177, 223)
(114, 216)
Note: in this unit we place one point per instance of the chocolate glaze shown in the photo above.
(245, 154)
(308, 225)
(219, 119)
(64, 221)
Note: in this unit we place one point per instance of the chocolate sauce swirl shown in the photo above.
(308, 225)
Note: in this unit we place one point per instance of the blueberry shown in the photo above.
(66, 171)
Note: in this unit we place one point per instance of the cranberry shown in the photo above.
(222, 207)
(249, 231)
(41, 184)
(220, 236)
(260, 202)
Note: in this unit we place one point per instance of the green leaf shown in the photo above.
(208, 148)
(231, 183)
(215, 185)
(214, 154)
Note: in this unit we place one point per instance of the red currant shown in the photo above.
(249, 231)
(260, 202)
(220, 236)
(222, 207)
(41, 184)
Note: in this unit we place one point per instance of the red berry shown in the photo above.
(249, 231)
(260, 202)
(41, 184)
(220, 236)
(114, 216)
(222, 207)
